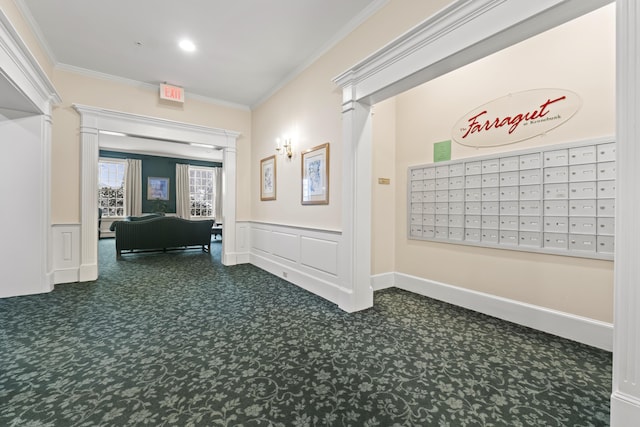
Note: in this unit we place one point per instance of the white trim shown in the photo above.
(309, 258)
(625, 399)
(625, 410)
(323, 288)
(18, 64)
(298, 227)
(34, 94)
(156, 128)
(66, 253)
(460, 33)
(587, 331)
(383, 281)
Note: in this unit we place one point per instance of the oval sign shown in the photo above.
(516, 117)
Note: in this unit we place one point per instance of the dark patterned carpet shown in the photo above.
(178, 339)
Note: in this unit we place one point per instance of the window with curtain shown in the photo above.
(111, 187)
(202, 192)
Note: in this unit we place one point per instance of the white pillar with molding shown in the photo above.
(229, 251)
(625, 397)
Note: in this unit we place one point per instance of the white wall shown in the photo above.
(23, 232)
(383, 203)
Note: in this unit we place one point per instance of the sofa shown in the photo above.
(152, 233)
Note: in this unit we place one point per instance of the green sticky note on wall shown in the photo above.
(442, 151)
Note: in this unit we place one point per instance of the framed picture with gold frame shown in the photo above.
(315, 175)
(268, 178)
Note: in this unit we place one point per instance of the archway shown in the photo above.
(456, 36)
(93, 120)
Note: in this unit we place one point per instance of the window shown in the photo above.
(201, 192)
(111, 187)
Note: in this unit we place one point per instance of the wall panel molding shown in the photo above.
(307, 257)
(66, 253)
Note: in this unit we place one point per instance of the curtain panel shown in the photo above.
(133, 188)
(183, 203)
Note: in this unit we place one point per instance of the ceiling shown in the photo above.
(246, 49)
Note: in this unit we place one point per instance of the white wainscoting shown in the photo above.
(587, 331)
(66, 253)
(309, 258)
(243, 229)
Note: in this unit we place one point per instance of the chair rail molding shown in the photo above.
(94, 119)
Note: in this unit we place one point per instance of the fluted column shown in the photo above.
(89, 208)
(229, 253)
(356, 202)
(625, 398)
(47, 262)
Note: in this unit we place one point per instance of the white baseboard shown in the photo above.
(88, 272)
(382, 281)
(68, 275)
(243, 258)
(315, 285)
(625, 410)
(581, 329)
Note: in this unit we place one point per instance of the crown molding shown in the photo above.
(366, 13)
(36, 30)
(144, 85)
(423, 52)
(20, 67)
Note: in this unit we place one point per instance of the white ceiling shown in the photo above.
(246, 49)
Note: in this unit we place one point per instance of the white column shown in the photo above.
(356, 202)
(229, 252)
(89, 207)
(46, 173)
(625, 398)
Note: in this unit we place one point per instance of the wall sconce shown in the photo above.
(285, 148)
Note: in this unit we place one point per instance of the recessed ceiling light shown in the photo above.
(187, 45)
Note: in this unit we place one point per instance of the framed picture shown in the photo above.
(157, 188)
(268, 178)
(315, 175)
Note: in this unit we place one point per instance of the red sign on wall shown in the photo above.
(171, 93)
(516, 117)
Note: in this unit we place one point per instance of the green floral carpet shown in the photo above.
(177, 339)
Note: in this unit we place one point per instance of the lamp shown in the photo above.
(286, 147)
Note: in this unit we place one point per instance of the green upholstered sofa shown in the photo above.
(112, 227)
(161, 233)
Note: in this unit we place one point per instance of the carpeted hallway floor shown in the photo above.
(178, 339)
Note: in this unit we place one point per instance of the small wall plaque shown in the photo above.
(442, 151)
